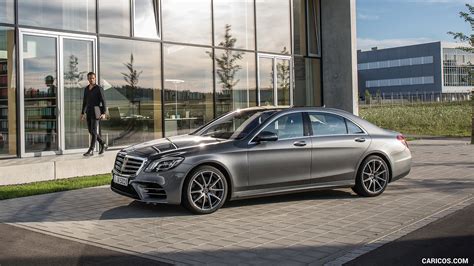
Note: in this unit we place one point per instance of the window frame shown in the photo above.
(310, 128)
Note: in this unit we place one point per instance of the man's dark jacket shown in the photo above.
(94, 97)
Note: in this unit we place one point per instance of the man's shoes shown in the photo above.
(89, 152)
(103, 147)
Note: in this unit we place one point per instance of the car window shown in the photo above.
(236, 125)
(353, 128)
(327, 124)
(287, 126)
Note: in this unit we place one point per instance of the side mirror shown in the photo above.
(266, 136)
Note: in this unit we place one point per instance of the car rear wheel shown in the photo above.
(372, 177)
(205, 191)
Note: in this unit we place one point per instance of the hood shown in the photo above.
(166, 145)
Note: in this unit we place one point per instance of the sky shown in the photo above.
(392, 23)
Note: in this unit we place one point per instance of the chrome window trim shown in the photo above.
(343, 116)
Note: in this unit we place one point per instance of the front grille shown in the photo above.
(152, 190)
(128, 165)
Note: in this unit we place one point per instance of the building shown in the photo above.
(167, 66)
(425, 68)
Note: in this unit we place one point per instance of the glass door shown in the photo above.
(40, 94)
(274, 79)
(77, 61)
(53, 74)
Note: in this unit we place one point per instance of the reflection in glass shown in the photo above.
(235, 80)
(58, 14)
(78, 61)
(313, 28)
(187, 21)
(146, 18)
(299, 28)
(6, 11)
(188, 88)
(283, 81)
(239, 16)
(40, 93)
(273, 26)
(307, 91)
(114, 17)
(266, 75)
(130, 76)
(7, 92)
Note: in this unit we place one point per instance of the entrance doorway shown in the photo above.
(275, 81)
(53, 73)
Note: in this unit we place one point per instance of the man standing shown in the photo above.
(93, 105)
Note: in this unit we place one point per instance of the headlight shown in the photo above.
(164, 164)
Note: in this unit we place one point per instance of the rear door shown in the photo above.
(337, 146)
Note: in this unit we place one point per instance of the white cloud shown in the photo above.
(363, 16)
(366, 44)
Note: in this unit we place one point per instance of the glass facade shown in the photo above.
(130, 74)
(188, 87)
(58, 14)
(273, 26)
(187, 21)
(8, 105)
(6, 11)
(167, 67)
(457, 66)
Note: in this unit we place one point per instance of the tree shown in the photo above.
(72, 75)
(227, 66)
(131, 78)
(227, 63)
(469, 39)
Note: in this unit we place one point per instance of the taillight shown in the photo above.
(403, 140)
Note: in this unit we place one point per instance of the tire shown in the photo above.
(370, 183)
(205, 190)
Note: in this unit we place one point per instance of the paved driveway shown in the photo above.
(320, 227)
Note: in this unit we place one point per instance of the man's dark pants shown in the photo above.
(92, 126)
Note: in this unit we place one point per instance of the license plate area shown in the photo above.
(120, 180)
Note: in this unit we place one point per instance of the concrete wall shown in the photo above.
(339, 54)
(27, 170)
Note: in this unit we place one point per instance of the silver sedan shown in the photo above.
(262, 151)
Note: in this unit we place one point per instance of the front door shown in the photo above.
(285, 162)
(53, 73)
(275, 83)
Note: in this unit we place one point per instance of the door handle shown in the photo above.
(359, 139)
(300, 143)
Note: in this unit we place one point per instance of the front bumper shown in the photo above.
(163, 187)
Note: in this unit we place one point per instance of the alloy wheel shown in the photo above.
(206, 190)
(375, 176)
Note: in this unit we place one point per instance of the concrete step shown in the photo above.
(27, 170)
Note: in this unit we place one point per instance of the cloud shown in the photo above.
(366, 43)
(363, 16)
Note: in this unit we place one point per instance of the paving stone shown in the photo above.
(316, 228)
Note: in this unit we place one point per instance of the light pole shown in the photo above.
(175, 82)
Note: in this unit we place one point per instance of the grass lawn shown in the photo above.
(429, 119)
(15, 191)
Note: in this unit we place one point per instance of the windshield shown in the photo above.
(236, 125)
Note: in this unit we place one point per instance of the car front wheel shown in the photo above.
(205, 191)
(372, 177)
